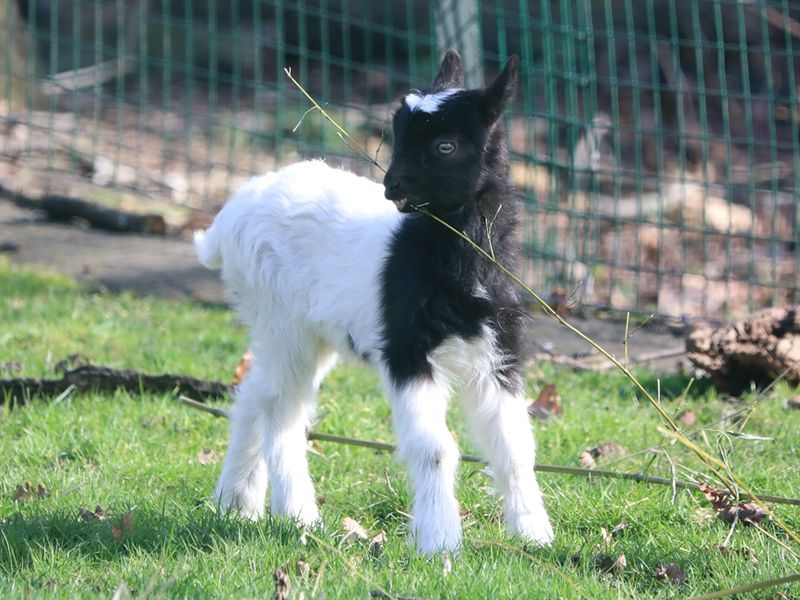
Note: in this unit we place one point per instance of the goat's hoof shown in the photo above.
(247, 503)
(534, 528)
(234, 507)
(306, 517)
(436, 538)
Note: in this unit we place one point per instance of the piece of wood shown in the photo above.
(63, 208)
(86, 378)
(755, 350)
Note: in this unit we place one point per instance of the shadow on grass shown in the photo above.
(675, 385)
(154, 533)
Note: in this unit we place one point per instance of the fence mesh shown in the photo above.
(655, 141)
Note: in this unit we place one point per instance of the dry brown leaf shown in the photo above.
(242, 368)
(125, 525)
(283, 585)
(376, 543)
(607, 449)
(27, 491)
(586, 460)
(207, 456)
(610, 565)
(547, 404)
(302, 569)
(747, 512)
(793, 402)
(605, 535)
(353, 530)
(672, 573)
(87, 516)
(687, 418)
(620, 527)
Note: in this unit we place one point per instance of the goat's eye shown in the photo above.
(445, 147)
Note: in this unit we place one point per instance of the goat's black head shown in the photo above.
(449, 141)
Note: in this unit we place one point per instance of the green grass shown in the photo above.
(140, 454)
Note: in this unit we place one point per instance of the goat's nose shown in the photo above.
(393, 187)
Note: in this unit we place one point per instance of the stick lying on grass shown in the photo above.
(544, 468)
(18, 391)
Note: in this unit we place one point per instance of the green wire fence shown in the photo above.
(655, 142)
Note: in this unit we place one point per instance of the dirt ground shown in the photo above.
(166, 267)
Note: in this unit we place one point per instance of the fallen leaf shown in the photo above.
(207, 457)
(125, 525)
(27, 491)
(586, 460)
(672, 573)
(619, 528)
(620, 563)
(793, 402)
(242, 368)
(687, 418)
(353, 530)
(606, 449)
(608, 565)
(547, 404)
(87, 516)
(605, 535)
(283, 585)
(747, 512)
(302, 569)
(376, 543)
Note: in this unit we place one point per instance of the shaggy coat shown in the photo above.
(319, 265)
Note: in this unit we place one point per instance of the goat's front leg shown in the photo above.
(498, 417)
(431, 454)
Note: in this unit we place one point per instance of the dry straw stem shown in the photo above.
(539, 467)
(717, 467)
(750, 587)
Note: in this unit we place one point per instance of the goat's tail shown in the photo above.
(206, 244)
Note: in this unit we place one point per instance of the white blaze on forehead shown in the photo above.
(429, 103)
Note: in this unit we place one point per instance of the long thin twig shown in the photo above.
(750, 587)
(539, 467)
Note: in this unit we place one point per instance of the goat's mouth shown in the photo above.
(407, 205)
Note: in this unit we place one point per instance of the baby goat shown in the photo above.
(319, 266)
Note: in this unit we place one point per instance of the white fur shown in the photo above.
(301, 253)
(428, 103)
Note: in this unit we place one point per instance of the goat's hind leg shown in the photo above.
(242, 484)
(500, 424)
(297, 372)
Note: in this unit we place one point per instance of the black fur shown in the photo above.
(431, 276)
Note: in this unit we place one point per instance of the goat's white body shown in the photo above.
(302, 252)
(308, 243)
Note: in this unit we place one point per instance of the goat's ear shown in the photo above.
(497, 93)
(451, 75)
